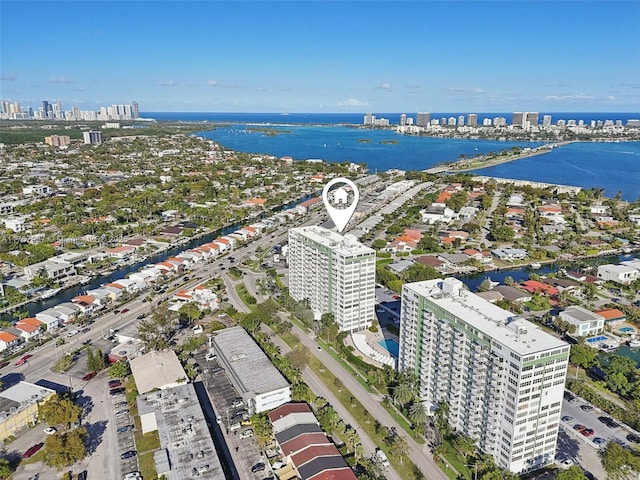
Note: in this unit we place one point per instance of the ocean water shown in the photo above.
(336, 137)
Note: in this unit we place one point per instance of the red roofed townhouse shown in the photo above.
(308, 204)
(413, 234)
(8, 340)
(533, 286)
(443, 197)
(86, 303)
(287, 408)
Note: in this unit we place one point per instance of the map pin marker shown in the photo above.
(342, 212)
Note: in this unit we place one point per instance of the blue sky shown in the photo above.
(322, 56)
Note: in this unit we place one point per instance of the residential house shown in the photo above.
(509, 254)
(66, 312)
(28, 330)
(512, 294)
(562, 284)
(617, 273)
(586, 322)
(86, 303)
(437, 213)
(533, 286)
(432, 261)
(612, 316)
(7, 340)
(54, 270)
(51, 322)
(122, 252)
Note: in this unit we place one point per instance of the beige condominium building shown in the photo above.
(501, 377)
(336, 273)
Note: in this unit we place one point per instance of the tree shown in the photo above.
(404, 392)
(399, 447)
(190, 313)
(485, 285)
(618, 461)
(583, 356)
(417, 414)
(90, 360)
(119, 369)
(429, 243)
(299, 357)
(5, 468)
(60, 410)
(572, 473)
(156, 331)
(99, 360)
(66, 449)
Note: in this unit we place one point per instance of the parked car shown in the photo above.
(588, 432)
(114, 383)
(125, 428)
(4, 364)
(565, 463)
(586, 408)
(258, 467)
(89, 376)
(118, 392)
(246, 433)
(120, 404)
(609, 422)
(116, 311)
(82, 475)
(599, 441)
(633, 438)
(50, 430)
(579, 428)
(32, 450)
(128, 454)
(567, 418)
(133, 476)
(122, 413)
(124, 310)
(210, 356)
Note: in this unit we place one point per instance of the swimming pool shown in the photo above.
(391, 346)
(627, 329)
(601, 338)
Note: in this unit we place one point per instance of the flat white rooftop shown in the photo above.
(347, 245)
(519, 335)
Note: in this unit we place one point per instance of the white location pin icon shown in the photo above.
(343, 212)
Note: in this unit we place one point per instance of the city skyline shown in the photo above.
(324, 57)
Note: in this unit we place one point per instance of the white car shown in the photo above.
(133, 476)
(50, 430)
(565, 463)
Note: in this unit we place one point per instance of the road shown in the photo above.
(319, 389)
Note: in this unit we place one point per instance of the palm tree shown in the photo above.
(400, 447)
(417, 414)
(403, 393)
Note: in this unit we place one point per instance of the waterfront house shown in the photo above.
(51, 322)
(509, 253)
(27, 329)
(533, 286)
(437, 213)
(587, 323)
(122, 252)
(66, 312)
(617, 273)
(512, 294)
(612, 316)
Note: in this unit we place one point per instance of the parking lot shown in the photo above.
(124, 427)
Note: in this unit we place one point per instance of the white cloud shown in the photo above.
(60, 80)
(385, 86)
(353, 102)
(467, 91)
(169, 83)
(573, 97)
(215, 83)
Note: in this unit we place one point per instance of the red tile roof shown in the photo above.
(6, 337)
(611, 314)
(533, 286)
(288, 408)
(305, 440)
(312, 452)
(334, 474)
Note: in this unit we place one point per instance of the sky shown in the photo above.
(323, 56)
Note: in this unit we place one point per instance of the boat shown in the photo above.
(535, 265)
(607, 348)
(50, 293)
(634, 343)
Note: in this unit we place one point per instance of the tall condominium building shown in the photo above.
(472, 120)
(518, 119)
(92, 137)
(532, 118)
(546, 120)
(501, 376)
(423, 119)
(369, 119)
(336, 273)
(136, 110)
(403, 119)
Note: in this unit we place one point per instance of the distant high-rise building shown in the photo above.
(561, 123)
(546, 120)
(422, 119)
(502, 377)
(532, 118)
(45, 108)
(57, 140)
(451, 121)
(136, 110)
(517, 119)
(336, 273)
(461, 120)
(472, 120)
(92, 137)
(443, 121)
(403, 119)
(499, 122)
(486, 122)
(369, 119)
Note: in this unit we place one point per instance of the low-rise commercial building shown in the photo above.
(157, 370)
(260, 384)
(19, 407)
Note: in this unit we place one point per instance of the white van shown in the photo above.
(382, 458)
(247, 433)
(73, 333)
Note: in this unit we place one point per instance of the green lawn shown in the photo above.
(147, 466)
(244, 295)
(147, 442)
